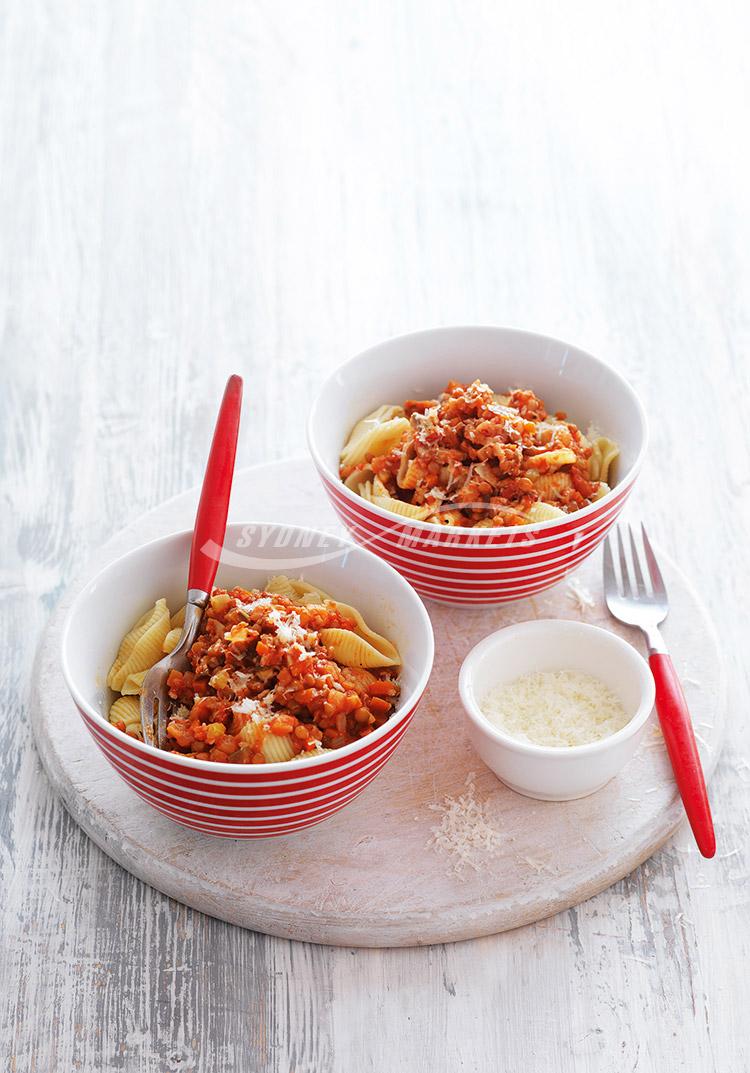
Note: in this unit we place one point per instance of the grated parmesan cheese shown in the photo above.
(558, 708)
(259, 709)
(287, 625)
(261, 601)
(464, 832)
(288, 628)
(579, 595)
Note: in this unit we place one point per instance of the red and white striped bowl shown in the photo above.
(478, 566)
(243, 801)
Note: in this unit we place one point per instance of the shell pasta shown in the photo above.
(141, 648)
(475, 458)
(274, 675)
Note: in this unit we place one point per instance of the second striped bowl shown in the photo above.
(471, 567)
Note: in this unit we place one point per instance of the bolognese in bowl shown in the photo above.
(277, 647)
(275, 674)
(473, 457)
(483, 463)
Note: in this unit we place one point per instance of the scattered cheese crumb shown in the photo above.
(538, 866)
(580, 595)
(239, 680)
(558, 708)
(742, 766)
(655, 738)
(317, 750)
(464, 831)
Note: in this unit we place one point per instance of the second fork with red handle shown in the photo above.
(637, 596)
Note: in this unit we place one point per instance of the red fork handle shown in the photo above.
(211, 519)
(677, 728)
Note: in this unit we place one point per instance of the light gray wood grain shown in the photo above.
(188, 189)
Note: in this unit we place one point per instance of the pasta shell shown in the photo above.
(133, 683)
(300, 592)
(351, 453)
(544, 512)
(374, 436)
(128, 643)
(360, 676)
(281, 585)
(172, 639)
(142, 646)
(178, 618)
(371, 489)
(409, 475)
(377, 417)
(351, 650)
(127, 710)
(603, 455)
(550, 485)
(398, 506)
(358, 479)
(384, 646)
(561, 456)
(407, 457)
(277, 749)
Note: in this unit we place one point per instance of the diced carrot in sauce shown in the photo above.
(474, 458)
(246, 681)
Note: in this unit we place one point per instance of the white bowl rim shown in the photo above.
(189, 762)
(627, 653)
(432, 527)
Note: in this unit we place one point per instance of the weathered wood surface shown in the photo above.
(188, 189)
(370, 876)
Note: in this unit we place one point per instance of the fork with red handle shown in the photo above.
(637, 596)
(205, 549)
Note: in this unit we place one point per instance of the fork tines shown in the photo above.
(631, 570)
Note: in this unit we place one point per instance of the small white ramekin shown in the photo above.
(548, 772)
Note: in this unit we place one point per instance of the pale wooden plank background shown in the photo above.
(189, 189)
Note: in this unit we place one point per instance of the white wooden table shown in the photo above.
(191, 189)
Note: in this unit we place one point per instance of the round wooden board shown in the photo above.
(367, 876)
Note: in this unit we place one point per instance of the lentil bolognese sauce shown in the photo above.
(271, 679)
(472, 457)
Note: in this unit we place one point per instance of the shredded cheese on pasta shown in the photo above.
(259, 710)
